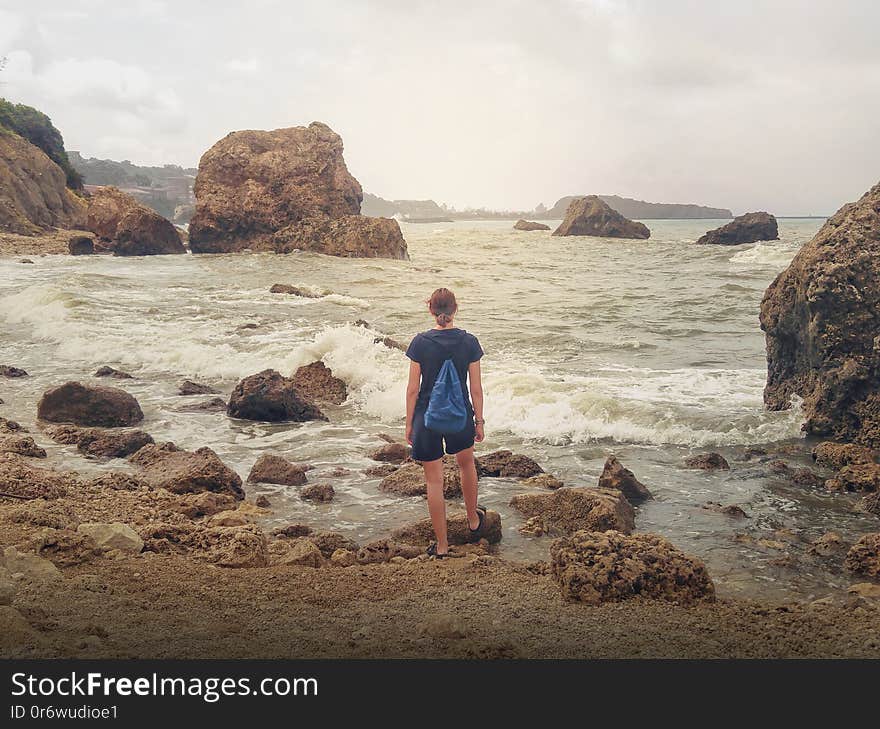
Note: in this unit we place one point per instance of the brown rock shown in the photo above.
(391, 453)
(827, 545)
(214, 405)
(130, 228)
(351, 236)
(837, 455)
(8, 371)
(33, 190)
(507, 465)
(870, 503)
(293, 291)
(748, 228)
(618, 478)
(206, 503)
(101, 442)
(118, 481)
(262, 501)
(409, 480)
(733, 510)
(65, 547)
(707, 462)
(316, 382)
(458, 531)
(821, 317)
(592, 216)
(19, 478)
(22, 445)
(543, 481)
(568, 509)
(292, 531)
(343, 558)
(593, 567)
(856, 477)
(384, 550)
(302, 552)
(188, 387)
(81, 245)
(267, 396)
(529, 225)
(329, 542)
(103, 407)
(165, 466)
(318, 492)
(270, 468)
(863, 557)
(106, 371)
(807, 478)
(235, 546)
(380, 471)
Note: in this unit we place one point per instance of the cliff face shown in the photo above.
(638, 209)
(821, 317)
(33, 191)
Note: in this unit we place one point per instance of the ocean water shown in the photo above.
(647, 349)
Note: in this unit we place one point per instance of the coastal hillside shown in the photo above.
(639, 209)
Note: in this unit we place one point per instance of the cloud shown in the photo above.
(243, 65)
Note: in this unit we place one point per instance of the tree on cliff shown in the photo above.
(37, 128)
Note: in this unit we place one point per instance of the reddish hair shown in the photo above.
(443, 306)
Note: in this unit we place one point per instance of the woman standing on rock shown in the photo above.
(443, 361)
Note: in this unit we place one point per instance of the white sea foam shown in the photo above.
(771, 255)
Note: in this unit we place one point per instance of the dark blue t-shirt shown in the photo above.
(432, 348)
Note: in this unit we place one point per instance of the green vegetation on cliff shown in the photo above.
(37, 128)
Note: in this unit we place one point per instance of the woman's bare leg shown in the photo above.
(468, 468)
(437, 502)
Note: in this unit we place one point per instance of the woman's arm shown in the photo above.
(476, 385)
(412, 393)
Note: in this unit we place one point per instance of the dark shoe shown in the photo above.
(477, 534)
(432, 551)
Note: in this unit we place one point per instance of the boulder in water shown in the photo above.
(270, 397)
(81, 245)
(318, 492)
(529, 225)
(182, 472)
(293, 291)
(837, 455)
(188, 387)
(107, 443)
(748, 228)
(592, 216)
(409, 480)
(569, 509)
(21, 480)
(106, 371)
(457, 530)
(351, 236)
(391, 453)
(617, 477)
(707, 462)
(271, 468)
(129, 228)
(9, 371)
(507, 464)
(316, 382)
(821, 317)
(102, 407)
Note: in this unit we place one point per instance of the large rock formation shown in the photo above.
(821, 317)
(33, 192)
(529, 225)
(316, 382)
(747, 228)
(282, 190)
(99, 407)
(591, 216)
(184, 472)
(617, 477)
(128, 228)
(270, 397)
(567, 510)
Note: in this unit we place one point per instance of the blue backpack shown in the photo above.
(446, 413)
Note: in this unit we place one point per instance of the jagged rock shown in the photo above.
(128, 228)
(292, 531)
(856, 477)
(262, 501)
(113, 536)
(748, 228)
(807, 478)
(568, 509)
(343, 558)
(100, 442)
(316, 382)
(863, 557)
(33, 190)
(214, 405)
(543, 481)
(391, 453)
(302, 552)
(351, 236)
(707, 462)
(188, 387)
(593, 567)
(318, 492)
(821, 317)
(106, 371)
(270, 468)
(19, 478)
(9, 371)
(384, 550)
(236, 546)
(618, 478)
(206, 503)
(22, 445)
(591, 216)
(166, 466)
(827, 545)
(267, 396)
(380, 471)
(508, 465)
(81, 245)
(529, 225)
(409, 480)
(293, 291)
(733, 510)
(837, 455)
(870, 503)
(102, 407)
(458, 531)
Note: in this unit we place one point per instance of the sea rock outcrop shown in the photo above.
(821, 317)
(591, 216)
(81, 245)
(128, 228)
(616, 477)
(291, 182)
(409, 480)
(271, 468)
(270, 397)
(837, 455)
(863, 557)
(109, 443)
(593, 567)
(529, 225)
(316, 382)
(569, 509)
(33, 190)
(322, 492)
(396, 453)
(181, 472)
(748, 228)
(89, 405)
(507, 464)
(457, 530)
(856, 477)
(707, 462)
(225, 546)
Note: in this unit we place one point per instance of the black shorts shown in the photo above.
(428, 445)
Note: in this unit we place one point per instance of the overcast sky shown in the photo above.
(746, 105)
